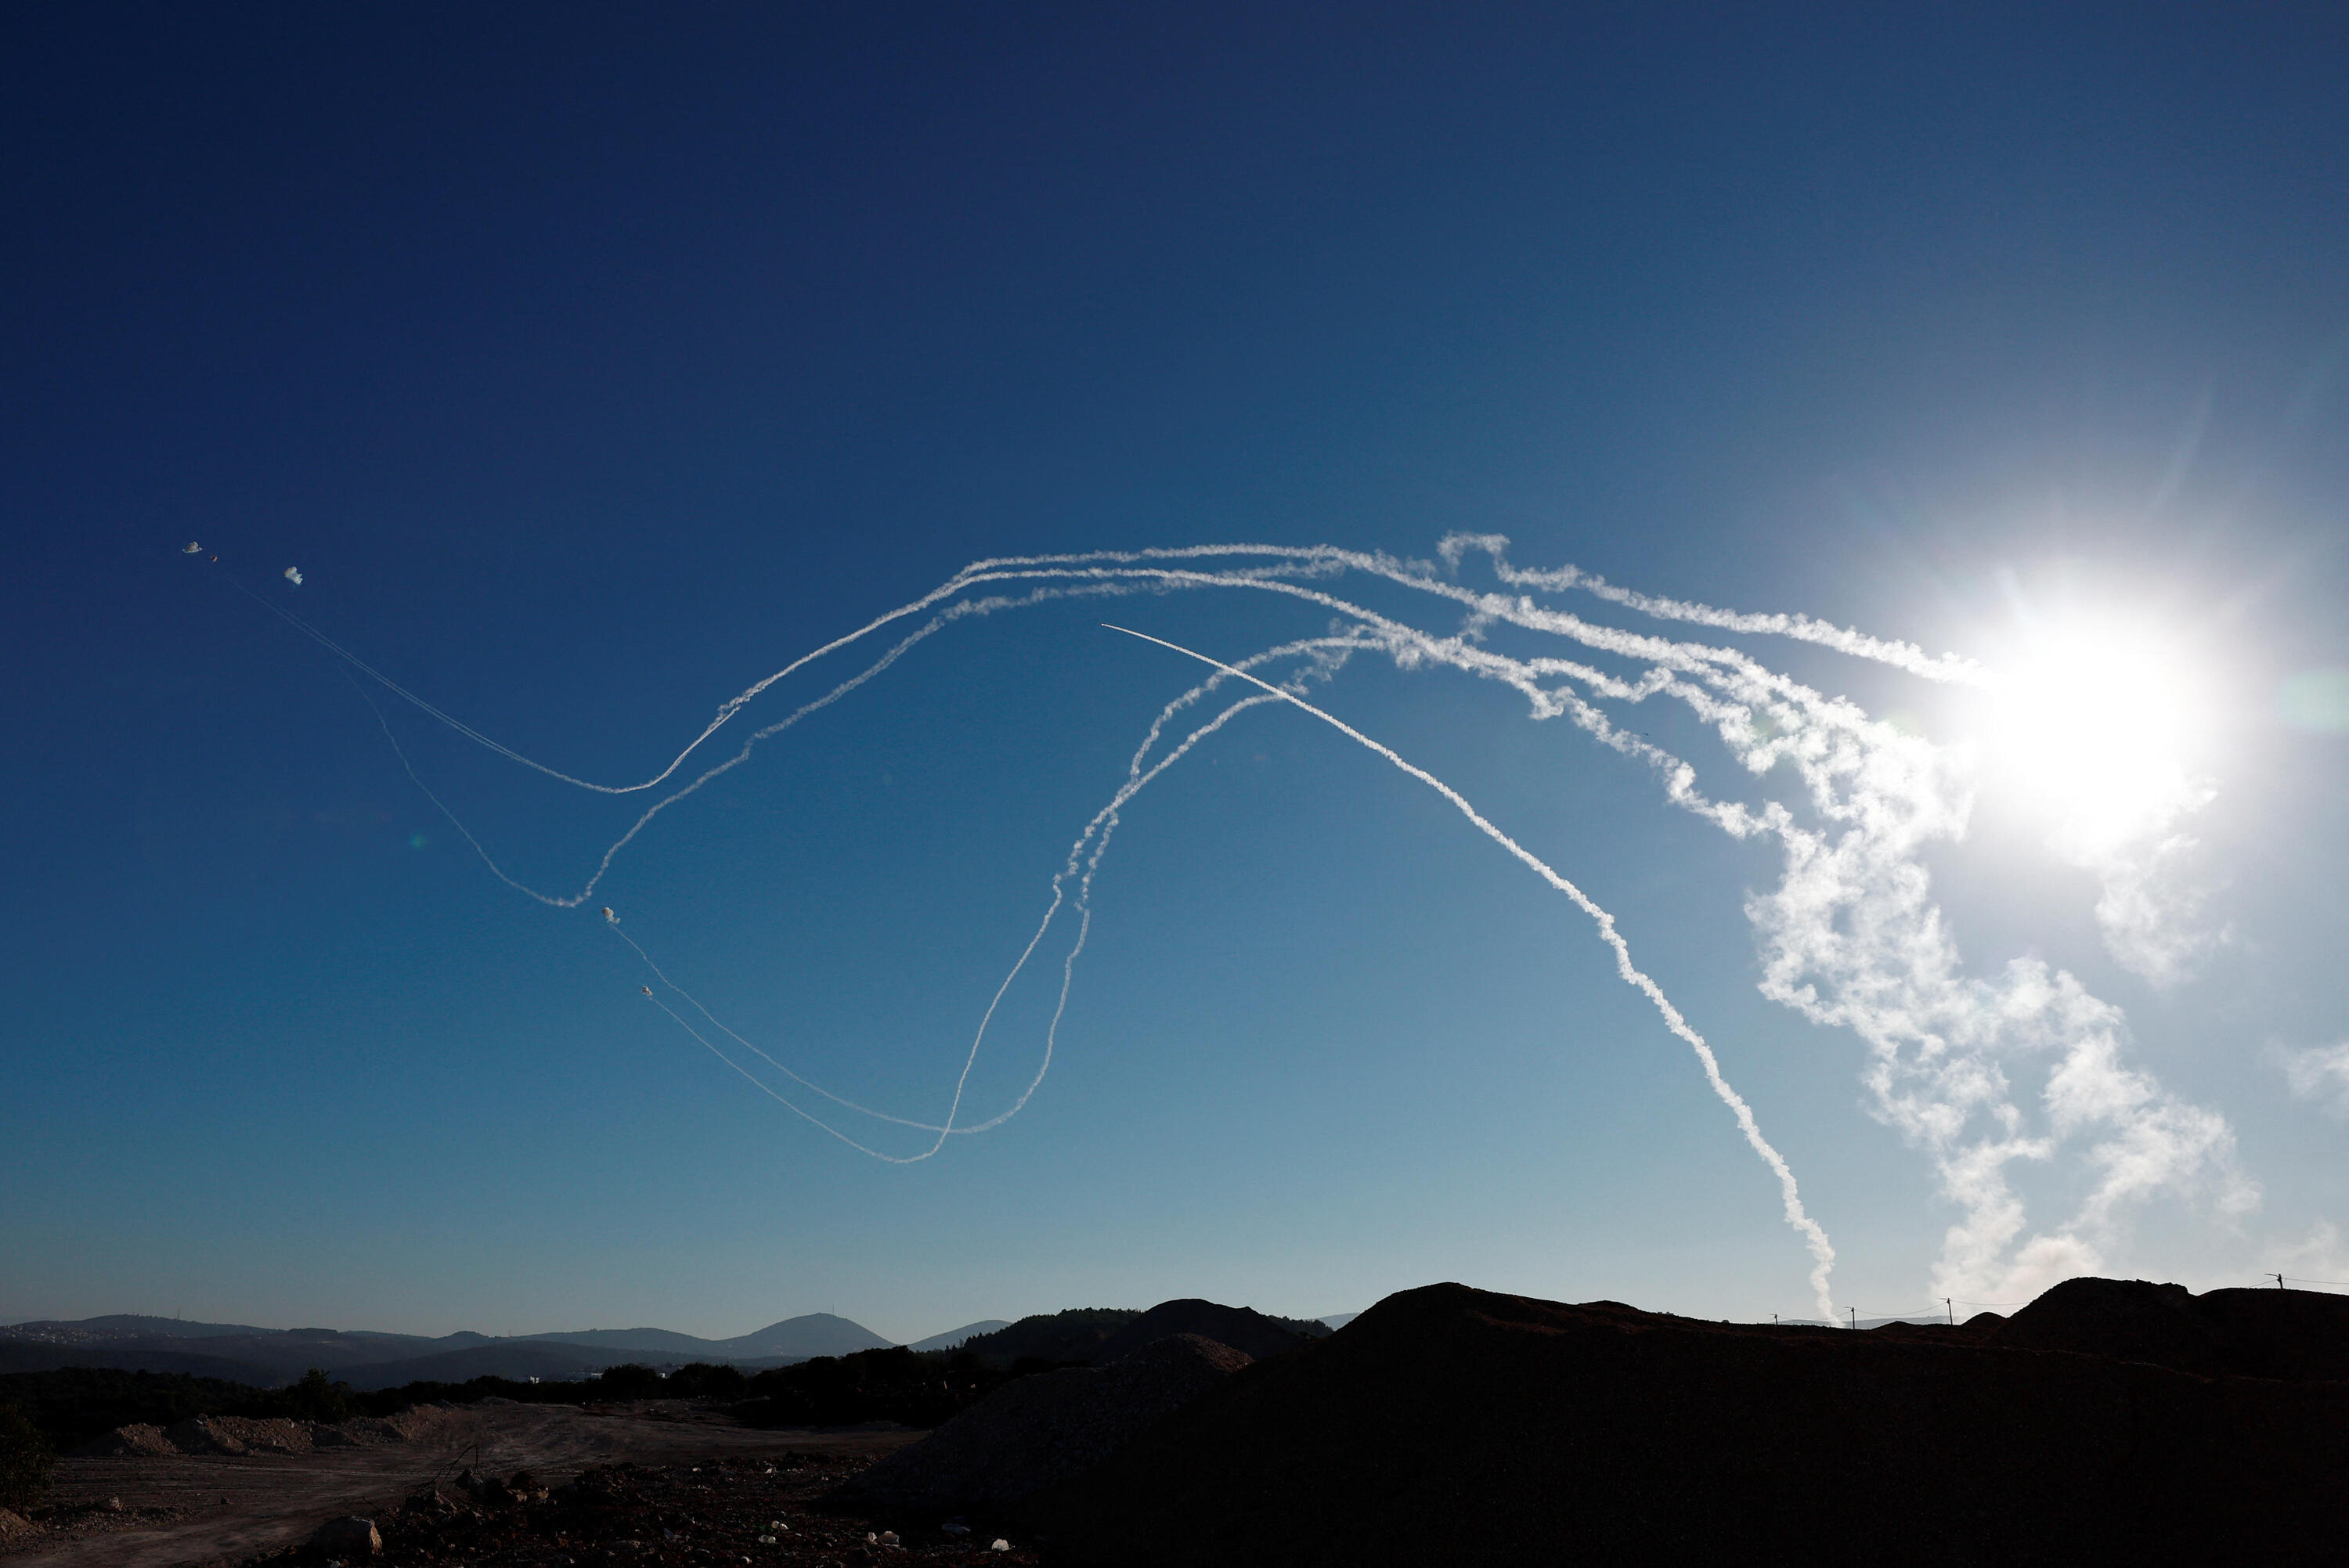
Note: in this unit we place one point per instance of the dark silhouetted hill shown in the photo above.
(794, 1338)
(135, 1355)
(953, 1338)
(1089, 1336)
(1450, 1424)
(269, 1356)
(1070, 1337)
(1033, 1431)
(1243, 1329)
(2296, 1334)
(518, 1359)
(126, 1325)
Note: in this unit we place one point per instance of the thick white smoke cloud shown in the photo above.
(1977, 1068)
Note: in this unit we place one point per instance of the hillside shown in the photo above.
(953, 1338)
(1243, 1329)
(1073, 1336)
(267, 1358)
(1448, 1424)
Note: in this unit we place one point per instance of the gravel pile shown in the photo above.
(238, 1435)
(1039, 1431)
(249, 1434)
(140, 1438)
(706, 1515)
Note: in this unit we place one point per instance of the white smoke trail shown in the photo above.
(1802, 628)
(1822, 1252)
(1096, 834)
(1310, 561)
(1850, 937)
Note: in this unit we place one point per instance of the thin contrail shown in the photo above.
(1096, 834)
(1822, 1250)
(1851, 938)
(1299, 560)
(1113, 579)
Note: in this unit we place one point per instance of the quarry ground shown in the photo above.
(179, 1512)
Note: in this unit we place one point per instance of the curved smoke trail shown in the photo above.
(1850, 937)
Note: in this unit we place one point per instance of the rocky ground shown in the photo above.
(732, 1510)
(146, 1509)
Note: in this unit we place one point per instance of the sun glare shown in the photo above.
(2099, 727)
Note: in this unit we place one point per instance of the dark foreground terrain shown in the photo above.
(2109, 1422)
(665, 1482)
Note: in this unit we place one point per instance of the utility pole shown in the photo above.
(2279, 1279)
(1855, 1318)
(1951, 1307)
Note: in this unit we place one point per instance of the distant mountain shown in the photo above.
(134, 1356)
(954, 1337)
(815, 1334)
(265, 1357)
(793, 1339)
(659, 1342)
(268, 1356)
(520, 1359)
(124, 1324)
(1340, 1319)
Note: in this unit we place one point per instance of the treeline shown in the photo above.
(42, 1414)
(71, 1405)
(915, 1388)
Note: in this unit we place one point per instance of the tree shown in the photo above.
(701, 1379)
(318, 1398)
(630, 1381)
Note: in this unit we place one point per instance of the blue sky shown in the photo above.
(592, 368)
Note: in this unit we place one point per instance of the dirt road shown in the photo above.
(183, 1511)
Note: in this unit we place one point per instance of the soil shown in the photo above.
(1451, 1425)
(150, 1511)
(1035, 1431)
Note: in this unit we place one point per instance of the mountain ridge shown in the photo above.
(373, 1358)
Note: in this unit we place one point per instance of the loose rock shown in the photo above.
(353, 1536)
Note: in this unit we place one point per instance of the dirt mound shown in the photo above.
(400, 1426)
(15, 1527)
(2296, 1334)
(1245, 1330)
(2127, 1319)
(1038, 1431)
(237, 1435)
(245, 1435)
(1449, 1425)
(137, 1439)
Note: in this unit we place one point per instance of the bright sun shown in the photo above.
(2099, 727)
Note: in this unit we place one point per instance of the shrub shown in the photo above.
(918, 1389)
(25, 1460)
(700, 1379)
(318, 1398)
(630, 1381)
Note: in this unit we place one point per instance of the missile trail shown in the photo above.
(1816, 1237)
(1851, 938)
